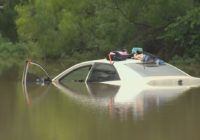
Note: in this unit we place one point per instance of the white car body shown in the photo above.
(145, 77)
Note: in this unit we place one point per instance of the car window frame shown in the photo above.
(99, 63)
(75, 69)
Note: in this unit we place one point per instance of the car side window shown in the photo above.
(77, 75)
(103, 72)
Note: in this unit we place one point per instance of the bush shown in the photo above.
(187, 64)
(11, 55)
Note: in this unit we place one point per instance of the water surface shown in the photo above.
(48, 113)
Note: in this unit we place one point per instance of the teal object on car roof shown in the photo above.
(136, 50)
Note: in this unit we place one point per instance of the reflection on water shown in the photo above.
(94, 111)
(33, 93)
(138, 102)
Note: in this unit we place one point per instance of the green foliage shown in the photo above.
(11, 55)
(7, 20)
(62, 29)
(187, 64)
(54, 27)
(185, 32)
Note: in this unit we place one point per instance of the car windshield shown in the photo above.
(147, 70)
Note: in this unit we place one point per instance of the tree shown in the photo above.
(64, 27)
(13, 53)
(185, 33)
(7, 19)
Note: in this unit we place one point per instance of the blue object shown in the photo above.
(136, 50)
(153, 59)
(160, 62)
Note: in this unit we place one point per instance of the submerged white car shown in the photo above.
(129, 72)
(132, 76)
(129, 79)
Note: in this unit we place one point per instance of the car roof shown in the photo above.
(113, 62)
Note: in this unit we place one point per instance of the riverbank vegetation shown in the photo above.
(69, 31)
